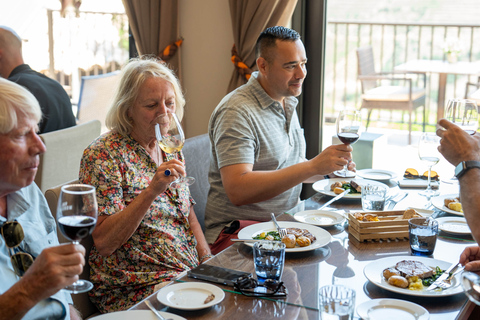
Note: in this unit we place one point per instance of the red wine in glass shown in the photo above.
(75, 228)
(348, 131)
(348, 137)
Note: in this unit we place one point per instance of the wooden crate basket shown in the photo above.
(387, 228)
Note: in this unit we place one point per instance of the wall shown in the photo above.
(206, 67)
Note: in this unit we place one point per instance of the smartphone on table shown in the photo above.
(216, 274)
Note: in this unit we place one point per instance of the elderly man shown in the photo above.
(33, 267)
(54, 101)
(258, 147)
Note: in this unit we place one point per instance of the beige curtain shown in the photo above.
(154, 25)
(249, 19)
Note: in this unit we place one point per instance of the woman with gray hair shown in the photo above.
(147, 232)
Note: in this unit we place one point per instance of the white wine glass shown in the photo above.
(428, 153)
(77, 217)
(463, 113)
(348, 127)
(171, 139)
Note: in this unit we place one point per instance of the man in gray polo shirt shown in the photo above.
(258, 148)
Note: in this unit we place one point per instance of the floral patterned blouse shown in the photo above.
(163, 244)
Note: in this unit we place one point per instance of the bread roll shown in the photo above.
(370, 217)
(398, 281)
(289, 241)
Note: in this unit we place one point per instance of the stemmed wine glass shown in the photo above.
(348, 131)
(471, 286)
(428, 153)
(77, 217)
(171, 138)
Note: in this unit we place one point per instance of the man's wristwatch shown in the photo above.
(464, 166)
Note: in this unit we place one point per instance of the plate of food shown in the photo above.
(322, 218)
(135, 315)
(333, 187)
(190, 295)
(449, 203)
(375, 174)
(318, 237)
(454, 225)
(410, 275)
(392, 309)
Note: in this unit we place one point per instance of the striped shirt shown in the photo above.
(248, 126)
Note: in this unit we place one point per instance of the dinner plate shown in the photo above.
(392, 309)
(136, 315)
(375, 174)
(454, 225)
(323, 218)
(323, 236)
(438, 202)
(323, 186)
(190, 295)
(374, 273)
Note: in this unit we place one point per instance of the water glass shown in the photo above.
(423, 235)
(373, 198)
(269, 259)
(336, 302)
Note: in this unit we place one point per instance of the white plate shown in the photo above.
(392, 309)
(374, 273)
(438, 202)
(454, 225)
(190, 295)
(321, 218)
(323, 186)
(323, 237)
(374, 174)
(136, 315)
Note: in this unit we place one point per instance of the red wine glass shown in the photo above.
(348, 126)
(77, 217)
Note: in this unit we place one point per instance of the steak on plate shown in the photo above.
(414, 268)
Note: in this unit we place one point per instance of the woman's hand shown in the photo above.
(161, 181)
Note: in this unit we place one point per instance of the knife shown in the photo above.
(444, 276)
(334, 199)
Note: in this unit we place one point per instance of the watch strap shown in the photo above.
(464, 166)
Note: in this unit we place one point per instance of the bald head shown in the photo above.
(10, 51)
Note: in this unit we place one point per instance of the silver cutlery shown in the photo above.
(282, 232)
(396, 199)
(334, 199)
(159, 316)
(440, 282)
(248, 240)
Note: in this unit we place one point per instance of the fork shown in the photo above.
(282, 232)
(445, 284)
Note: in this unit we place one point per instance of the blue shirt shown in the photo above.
(29, 207)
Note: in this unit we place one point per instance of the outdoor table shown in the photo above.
(443, 68)
(306, 272)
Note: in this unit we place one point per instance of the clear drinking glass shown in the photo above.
(464, 113)
(77, 217)
(348, 127)
(428, 153)
(171, 138)
(471, 286)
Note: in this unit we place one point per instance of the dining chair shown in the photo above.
(61, 162)
(96, 96)
(81, 301)
(376, 95)
(197, 162)
(475, 93)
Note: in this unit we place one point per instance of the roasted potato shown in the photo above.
(398, 281)
(389, 272)
(289, 241)
(303, 241)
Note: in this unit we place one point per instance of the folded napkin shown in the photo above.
(416, 183)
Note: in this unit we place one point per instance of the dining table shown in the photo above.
(342, 261)
(443, 69)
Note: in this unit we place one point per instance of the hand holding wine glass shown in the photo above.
(348, 131)
(77, 217)
(171, 138)
(428, 153)
(463, 113)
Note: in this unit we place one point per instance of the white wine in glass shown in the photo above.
(348, 127)
(463, 113)
(77, 217)
(170, 137)
(428, 153)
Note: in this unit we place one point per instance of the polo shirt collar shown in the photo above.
(263, 98)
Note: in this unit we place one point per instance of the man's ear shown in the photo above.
(262, 64)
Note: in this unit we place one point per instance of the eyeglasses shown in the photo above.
(250, 287)
(12, 233)
(413, 174)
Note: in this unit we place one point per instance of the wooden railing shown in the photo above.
(393, 44)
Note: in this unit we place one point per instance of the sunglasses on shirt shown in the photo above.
(413, 174)
(250, 287)
(12, 233)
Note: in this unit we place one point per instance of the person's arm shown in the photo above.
(203, 249)
(112, 231)
(244, 186)
(74, 313)
(456, 146)
(55, 268)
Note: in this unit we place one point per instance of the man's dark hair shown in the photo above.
(267, 39)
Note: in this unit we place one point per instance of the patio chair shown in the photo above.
(475, 93)
(391, 97)
(96, 95)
